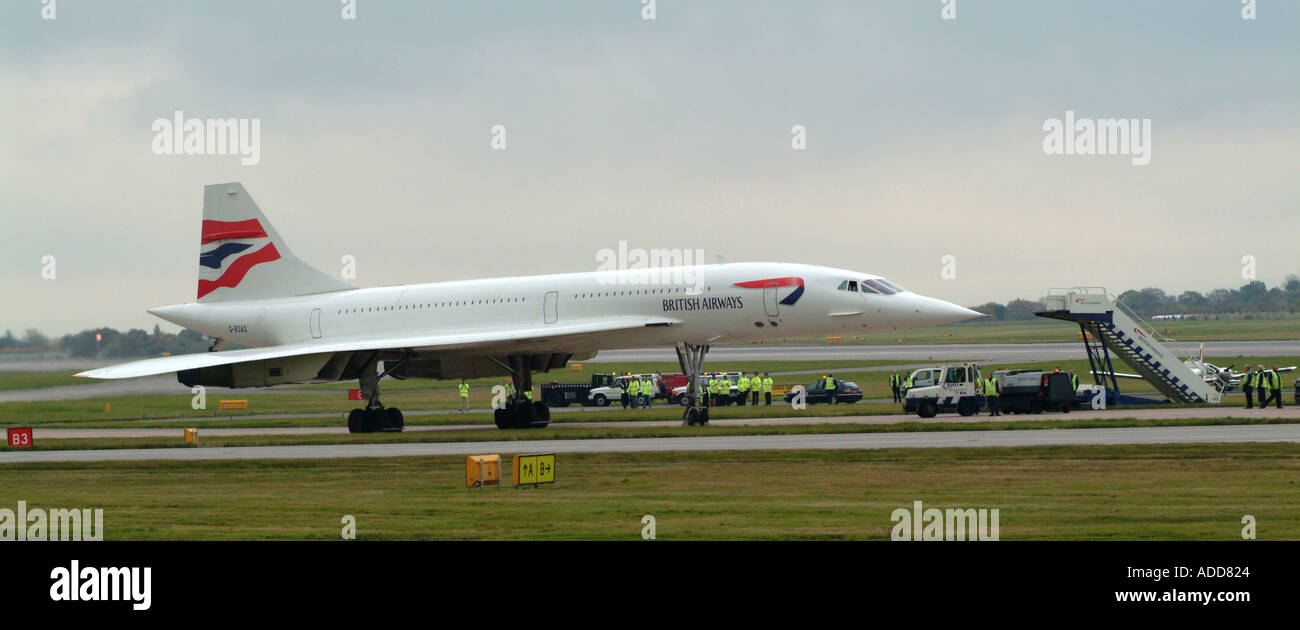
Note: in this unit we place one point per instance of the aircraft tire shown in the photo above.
(501, 417)
(395, 420)
(541, 416)
(355, 421)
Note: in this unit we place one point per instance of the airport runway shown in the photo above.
(908, 354)
(1144, 414)
(949, 439)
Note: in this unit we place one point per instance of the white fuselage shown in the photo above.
(720, 313)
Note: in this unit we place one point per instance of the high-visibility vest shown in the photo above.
(830, 383)
(713, 386)
(907, 383)
(1249, 380)
(634, 388)
(510, 388)
(464, 390)
(767, 384)
(1074, 381)
(647, 388)
(743, 384)
(528, 393)
(1274, 379)
(991, 387)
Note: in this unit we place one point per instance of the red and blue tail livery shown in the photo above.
(226, 264)
(778, 282)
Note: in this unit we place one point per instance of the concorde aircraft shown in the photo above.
(303, 326)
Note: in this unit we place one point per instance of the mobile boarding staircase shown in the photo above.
(1109, 327)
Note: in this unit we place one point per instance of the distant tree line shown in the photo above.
(111, 344)
(1252, 298)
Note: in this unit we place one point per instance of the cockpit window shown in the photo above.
(849, 285)
(896, 288)
(879, 287)
(867, 289)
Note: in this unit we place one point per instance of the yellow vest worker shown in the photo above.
(743, 384)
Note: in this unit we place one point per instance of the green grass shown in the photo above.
(1186, 491)
(560, 432)
(10, 380)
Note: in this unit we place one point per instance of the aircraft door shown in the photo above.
(769, 300)
(550, 309)
(315, 323)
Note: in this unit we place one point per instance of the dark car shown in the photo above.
(844, 392)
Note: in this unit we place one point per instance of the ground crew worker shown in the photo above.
(714, 388)
(1262, 385)
(1248, 387)
(895, 384)
(648, 391)
(464, 395)
(622, 385)
(528, 393)
(907, 384)
(755, 385)
(767, 389)
(992, 389)
(1074, 381)
(510, 389)
(634, 391)
(1275, 386)
(742, 388)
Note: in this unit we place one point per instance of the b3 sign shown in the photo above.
(20, 437)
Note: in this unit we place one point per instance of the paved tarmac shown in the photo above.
(930, 439)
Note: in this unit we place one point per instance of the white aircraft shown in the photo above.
(303, 326)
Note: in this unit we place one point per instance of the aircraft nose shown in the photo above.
(936, 311)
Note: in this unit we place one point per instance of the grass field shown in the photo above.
(10, 380)
(1195, 491)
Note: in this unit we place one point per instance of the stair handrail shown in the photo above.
(1173, 343)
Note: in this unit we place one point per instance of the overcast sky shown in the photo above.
(924, 139)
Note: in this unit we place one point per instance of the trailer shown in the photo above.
(1034, 391)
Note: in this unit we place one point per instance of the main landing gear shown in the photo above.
(519, 412)
(375, 417)
(691, 358)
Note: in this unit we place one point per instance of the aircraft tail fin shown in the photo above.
(242, 257)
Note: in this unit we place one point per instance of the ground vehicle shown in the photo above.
(956, 390)
(602, 396)
(1032, 391)
(925, 377)
(845, 392)
(678, 394)
(565, 394)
